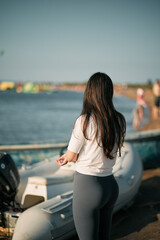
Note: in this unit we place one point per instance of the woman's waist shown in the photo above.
(101, 163)
(94, 170)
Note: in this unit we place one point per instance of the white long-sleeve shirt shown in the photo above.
(91, 159)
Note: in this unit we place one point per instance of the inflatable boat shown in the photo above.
(47, 199)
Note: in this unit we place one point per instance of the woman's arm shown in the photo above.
(67, 157)
(75, 144)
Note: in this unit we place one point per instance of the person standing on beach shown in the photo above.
(141, 104)
(138, 113)
(156, 94)
(97, 136)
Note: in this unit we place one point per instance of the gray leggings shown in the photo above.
(93, 201)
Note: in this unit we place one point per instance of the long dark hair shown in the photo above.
(97, 102)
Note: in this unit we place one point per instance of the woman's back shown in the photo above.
(91, 159)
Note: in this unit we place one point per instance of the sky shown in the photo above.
(69, 40)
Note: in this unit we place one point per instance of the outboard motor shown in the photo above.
(9, 180)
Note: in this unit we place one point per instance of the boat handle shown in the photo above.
(65, 214)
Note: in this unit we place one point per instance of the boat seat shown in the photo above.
(42, 188)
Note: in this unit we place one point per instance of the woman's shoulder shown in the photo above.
(80, 120)
(83, 117)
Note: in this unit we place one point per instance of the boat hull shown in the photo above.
(148, 146)
(53, 219)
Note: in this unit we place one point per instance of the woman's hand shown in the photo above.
(67, 157)
(62, 160)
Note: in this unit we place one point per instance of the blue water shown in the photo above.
(39, 118)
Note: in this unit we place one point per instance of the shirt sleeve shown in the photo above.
(77, 138)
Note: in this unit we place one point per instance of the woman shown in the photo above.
(97, 136)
